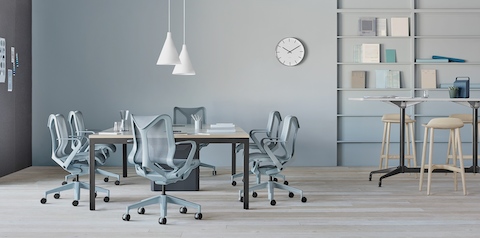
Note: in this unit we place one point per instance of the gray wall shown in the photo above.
(99, 56)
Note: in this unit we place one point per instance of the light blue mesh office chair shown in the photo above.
(78, 130)
(71, 160)
(273, 162)
(153, 156)
(271, 131)
(182, 116)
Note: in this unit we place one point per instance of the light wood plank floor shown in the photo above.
(341, 203)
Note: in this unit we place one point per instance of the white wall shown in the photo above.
(99, 56)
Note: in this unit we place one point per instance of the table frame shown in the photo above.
(239, 137)
(403, 103)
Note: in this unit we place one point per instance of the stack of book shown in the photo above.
(221, 128)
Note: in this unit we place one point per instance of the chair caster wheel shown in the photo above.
(56, 195)
(275, 179)
(285, 182)
(105, 179)
(106, 199)
(126, 217)
(75, 203)
(304, 199)
(141, 210)
(234, 183)
(43, 200)
(241, 199)
(214, 172)
(254, 194)
(273, 202)
(162, 220)
(198, 216)
(117, 182)
(291, 195)
(183, 210)
(64, 182)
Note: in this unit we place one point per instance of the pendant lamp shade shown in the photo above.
(169, 54)
(185, 68)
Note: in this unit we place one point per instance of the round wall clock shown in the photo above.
(290, 51)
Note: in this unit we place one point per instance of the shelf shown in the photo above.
(441, 37)
(370, 10)
(375, 89)
(381, 63)
(372, 37)
(432, 31)
(444, 10)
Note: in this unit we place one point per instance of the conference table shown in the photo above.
(182, 133)
(402, 103)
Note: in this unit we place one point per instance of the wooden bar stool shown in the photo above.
(467, 119)
(388, 120)
(454, 125)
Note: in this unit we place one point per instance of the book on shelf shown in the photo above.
(393, 79)
(370, 53)
(431, 60)
(399, 26)
(428, 78)
(380, 78)
(385, 78)
(357, 53)
(367, 26)
(450, 59)
(358, 79)
(381, 26)
(390, 55)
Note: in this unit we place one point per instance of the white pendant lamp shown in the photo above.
(185, 67)
(169, 54)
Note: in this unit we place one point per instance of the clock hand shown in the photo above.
(294, 49)
(289, 51)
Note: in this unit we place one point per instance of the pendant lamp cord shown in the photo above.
(168, 15)
(184, 22)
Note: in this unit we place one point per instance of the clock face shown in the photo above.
(290, 51)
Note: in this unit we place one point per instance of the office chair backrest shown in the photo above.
(182, 115)
(153, 143)
(273, 126)
(60, 141)
(77, 129)
(288, 137)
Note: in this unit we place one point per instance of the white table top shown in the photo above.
(187, 131)
(470, 102)
(415, 99)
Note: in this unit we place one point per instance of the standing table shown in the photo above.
(404, 102)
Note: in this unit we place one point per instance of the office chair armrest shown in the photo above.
(254, 137)
(75, 150)
(255, 131)
(87, 132)
(266, 142)
(189, 159)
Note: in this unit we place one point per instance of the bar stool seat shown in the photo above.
(454, 125)
(388, 120)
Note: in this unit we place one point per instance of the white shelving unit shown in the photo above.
(436, 27)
